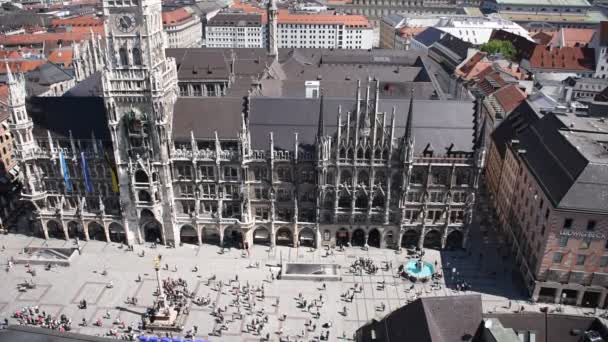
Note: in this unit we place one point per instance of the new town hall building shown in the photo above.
(296, 147)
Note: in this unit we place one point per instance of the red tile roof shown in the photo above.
(24, 65)
(66, 37)
(83, 21)
(285, 17)
(543, 37)
(566, 58)
(489, 81)
(472, 65)
(573, 37)
(410, 31)
(509, 97)
(176, 16)
(61, 56)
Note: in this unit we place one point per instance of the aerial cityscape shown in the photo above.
(304, 170)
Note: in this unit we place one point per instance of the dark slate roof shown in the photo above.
(206, 115)
(50, 73)
(429, 319)
(554, 162)
(506, 131)
(456, 45)
(566, 154)
(553, 328)
(344, 88)
(91, 86)
(440, 123)
(60, 115)
(22, 333)
(429, 36)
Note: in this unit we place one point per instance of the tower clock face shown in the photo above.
(125, 22)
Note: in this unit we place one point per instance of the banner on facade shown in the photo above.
(64, 171)
(113, 173)
(85, 173)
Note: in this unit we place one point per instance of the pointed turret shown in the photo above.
(321, 127)
(9, 74)
(407, 136)
(272, 14)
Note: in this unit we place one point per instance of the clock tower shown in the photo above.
(140, 90)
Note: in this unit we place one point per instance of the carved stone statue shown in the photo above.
(102, 207)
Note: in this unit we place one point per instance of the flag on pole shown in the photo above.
(64, 171)
(85, 173)
(113, 173)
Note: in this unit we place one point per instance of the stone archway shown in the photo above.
(454, 240)
(55, 229)
(358, 238)
(153, 231)
(432, 239)
(261, 236)
(117, 233)
(210, 236)
(187, 234)
(342, 237)
(233, 237)
(75, 230)
(96, 232)
(284, 237)
(373, 238)
(410, 239)
(306, 237)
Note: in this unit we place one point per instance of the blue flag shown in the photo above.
(64, 172)
(85, 173)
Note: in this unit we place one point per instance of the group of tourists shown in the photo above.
(363, 264)
(32, 315)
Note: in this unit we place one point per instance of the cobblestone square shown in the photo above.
(60, 289)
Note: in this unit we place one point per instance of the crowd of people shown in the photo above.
(363, 264)
(33, 315)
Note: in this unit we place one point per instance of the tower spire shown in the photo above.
(410, 116)
(9, 74)
(321, 127)
(272, 15)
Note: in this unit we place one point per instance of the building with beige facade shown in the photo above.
(183, 28)
(548, 180)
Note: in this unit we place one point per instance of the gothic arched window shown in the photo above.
(344, 200)
(345, 177)
(141, 176)
(363, 178)
(124, 58)
(361, 200)
(137, 56)
(378, 200)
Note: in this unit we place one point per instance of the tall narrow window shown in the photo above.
(136, 56)
(124, 59)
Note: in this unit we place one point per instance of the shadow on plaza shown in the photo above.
(473, 271)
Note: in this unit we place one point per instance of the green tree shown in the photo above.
(503, 47)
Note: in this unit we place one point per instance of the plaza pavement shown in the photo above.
(60, 289)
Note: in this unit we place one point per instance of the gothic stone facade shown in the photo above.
(353, 173)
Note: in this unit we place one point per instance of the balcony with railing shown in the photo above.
(444, 160)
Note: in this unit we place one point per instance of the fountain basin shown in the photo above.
(310, 271)
(46, 255)
(419, 271)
